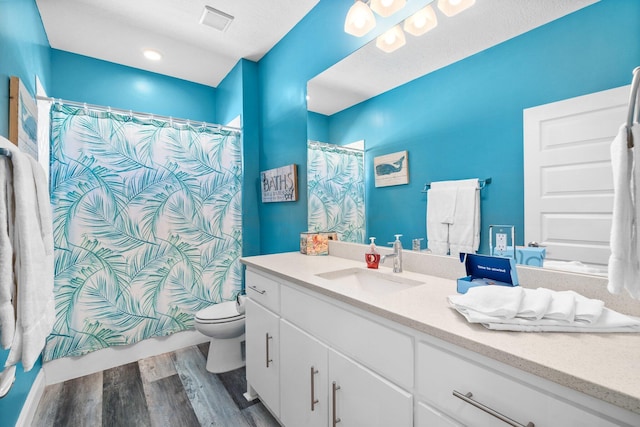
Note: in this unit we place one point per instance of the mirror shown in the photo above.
(462, 119)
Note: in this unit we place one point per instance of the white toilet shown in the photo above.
(224, 324)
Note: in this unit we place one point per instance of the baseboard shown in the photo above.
(33, 399)
(68, 368)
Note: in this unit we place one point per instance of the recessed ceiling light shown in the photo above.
(215, 18)
(152, 54)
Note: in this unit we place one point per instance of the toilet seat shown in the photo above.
(223, 312)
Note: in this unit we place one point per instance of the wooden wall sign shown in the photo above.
(280, 185)
(23, 118)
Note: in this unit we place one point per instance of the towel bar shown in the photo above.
(482, 182)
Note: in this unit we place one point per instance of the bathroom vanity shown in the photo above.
(324, 350)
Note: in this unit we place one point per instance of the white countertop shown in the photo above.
(605, 366)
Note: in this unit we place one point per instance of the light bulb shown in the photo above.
(420, 22)
(360, 20)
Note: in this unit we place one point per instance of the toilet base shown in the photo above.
(225, 355)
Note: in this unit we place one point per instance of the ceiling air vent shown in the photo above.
(216, 18)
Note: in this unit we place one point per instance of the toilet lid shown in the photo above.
(223, 311)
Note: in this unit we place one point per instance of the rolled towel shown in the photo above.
(492, 300)
(562, 307)
(535, 303)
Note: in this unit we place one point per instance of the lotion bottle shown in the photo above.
(372, 257)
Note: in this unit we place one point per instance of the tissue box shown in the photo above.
(316, 242)
(487, 270)
(526, 255)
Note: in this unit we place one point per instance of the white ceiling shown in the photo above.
(118, 30)
(369, 71)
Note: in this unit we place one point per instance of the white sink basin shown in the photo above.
(368, 280)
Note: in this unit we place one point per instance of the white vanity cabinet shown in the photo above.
(442, 372)
(303, 378)
(326, 354)
(322, 387)
(262, 337)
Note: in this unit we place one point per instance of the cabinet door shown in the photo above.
(262, 345)
(303, 378)
(363, 398)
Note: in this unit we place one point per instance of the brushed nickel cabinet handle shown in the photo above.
(313, 388)
(255, 288)
(334, 388)
(268, 337)
(468, 399)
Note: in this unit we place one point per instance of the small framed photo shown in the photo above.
(391, 169)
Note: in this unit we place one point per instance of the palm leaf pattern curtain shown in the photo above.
(335, 190)
(147, 226)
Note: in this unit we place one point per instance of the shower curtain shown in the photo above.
(335, 182)
(147, 226)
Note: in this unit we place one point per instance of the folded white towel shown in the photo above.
(609, 321)
(494, 300)
(535, 303)
(623, 261)
(562, 307)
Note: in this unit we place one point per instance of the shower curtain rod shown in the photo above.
(333, 146)
(139, 114)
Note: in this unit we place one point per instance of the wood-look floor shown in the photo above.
(172, 389)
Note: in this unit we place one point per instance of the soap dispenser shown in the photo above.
(372, 257)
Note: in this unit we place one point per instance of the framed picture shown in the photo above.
(391, 169)
(280, 185)
(23, 118)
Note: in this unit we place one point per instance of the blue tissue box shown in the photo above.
(526, 255)
(485, 270)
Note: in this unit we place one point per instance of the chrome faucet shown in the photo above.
(396, 255)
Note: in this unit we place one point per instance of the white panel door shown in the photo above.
(568, 183)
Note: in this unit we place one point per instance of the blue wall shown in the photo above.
(237, 95)
(456, 123)
(24, 52)
(83, 79)
(318, 127)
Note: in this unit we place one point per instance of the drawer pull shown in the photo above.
(255, 288)
(268, 337)
(313, 387)
(468, 398)
(334, 419)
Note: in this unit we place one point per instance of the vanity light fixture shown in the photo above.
(360, 19)
(215, 18)
(152, 54)
(387, 8)
(422, 21)
(391, 39)
(453, 7)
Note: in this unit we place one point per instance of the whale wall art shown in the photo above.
(391, 169)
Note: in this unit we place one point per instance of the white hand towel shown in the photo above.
(441, 205)
(562, 307)
(622, 262)
(464, 233)
(7, 284)
(33, 246)
(493, 300)
(535, 303)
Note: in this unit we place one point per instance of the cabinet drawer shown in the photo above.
(382, 349)
(439, 372)
(263, 289)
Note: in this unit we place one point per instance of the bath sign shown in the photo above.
(280, 185)
(391, 169)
